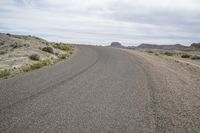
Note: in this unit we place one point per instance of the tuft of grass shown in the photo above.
(2, 42)
(64, 55)
(168, 53)
(15, 45)
(195, 57)
(4, 73)
(3, 52)
(34, 57)
(64, 47)
(37, 65)
(71, 52)
(156, 54)
(185, 56)
(149, 51)
(48, 49)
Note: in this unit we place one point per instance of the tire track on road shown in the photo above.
(50, 88)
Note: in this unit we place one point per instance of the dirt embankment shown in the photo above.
(175, 93)
(24, 53)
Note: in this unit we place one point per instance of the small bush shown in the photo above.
(40, 64)
(2, 43)
(64, 56)
(34, 57)
(195, 57)
(149, 51)
(3, 52)
(37, 65)
(168, 53)
(62, 46)
(4, 73)
(70, 52)
(26, 45)
(48, 49)
(16, 45)
(185, 56)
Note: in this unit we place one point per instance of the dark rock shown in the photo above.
(195, 45)
(116, 44)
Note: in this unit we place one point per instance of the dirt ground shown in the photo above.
(175, 93)
(15, 50)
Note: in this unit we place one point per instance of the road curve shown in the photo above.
(99, 89)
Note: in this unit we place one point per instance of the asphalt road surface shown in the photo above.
(98, 90)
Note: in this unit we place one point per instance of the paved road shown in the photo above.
(99, 89)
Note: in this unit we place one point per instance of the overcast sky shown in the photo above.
(102, 21)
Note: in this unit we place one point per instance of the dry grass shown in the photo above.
(34, 57)
(5, 73)
(64, 47)
(48, 49)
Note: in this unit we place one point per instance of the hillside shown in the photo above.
(20, 52)
(164, 47)
(192, 47)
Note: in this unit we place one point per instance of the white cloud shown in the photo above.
(103, 21)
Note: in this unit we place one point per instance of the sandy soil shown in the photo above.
(175, 92)
(16, 49)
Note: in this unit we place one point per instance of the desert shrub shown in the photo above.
(149, 51)
(71, 52)
(3, 52)
(4, 73)
(37, 65)
(16, 45)
(62, 46)
(64, 56)
(57, 54)
(26, 45)
(195, 57)
(168, 53)
(40, 64)
(48, 49)
(2, 43)
(35, 57)
(185, 56)
(156, 54)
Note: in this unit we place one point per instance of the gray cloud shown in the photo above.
(103, 21)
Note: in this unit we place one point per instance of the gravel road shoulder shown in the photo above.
(175, 93)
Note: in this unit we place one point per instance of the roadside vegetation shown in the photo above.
(48, 49)
(2, 52)
(54, 52)
(4, 73)
(192, 56)
(34, 57)
(185, 56)
(37, 65)
(63, 46)
(195, 57)
(168, 53)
